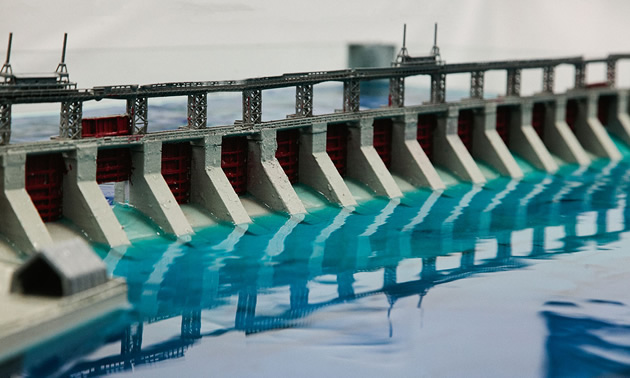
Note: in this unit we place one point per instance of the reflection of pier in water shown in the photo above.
(382, 236)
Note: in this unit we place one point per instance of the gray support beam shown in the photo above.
(70, 119)
(476, 84)
(138, 111)
(5, 124)
(210, 187)
(549, 76)
(318, 171)
(20, 222)
(397, 91)
(438, 88)
(198, 111)
(619, 123)
(591, 133)
(364, 163)
(351, 95)
(252, 106)
(580, 75)
(266, 178)
(83, 201)
(149, 193)
(525, 141)
(408, 157)
(611, 72)
(450, 152)
(488, 145)
(513, 82)
(304, 100)
(559, 138)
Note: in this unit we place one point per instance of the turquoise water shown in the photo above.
(513, 278)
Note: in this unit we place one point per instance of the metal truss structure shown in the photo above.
(611, 72)
(397, 91)
(351, 95)
(5, 123)
(513, 82)
(252, 106)
(476, 84)
(70, 120)
(138, 109)
(580, 75)
(438, 88)
(548, 79)
(198, 111)
(304, 100)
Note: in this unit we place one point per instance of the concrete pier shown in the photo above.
(591, 133)
(619, 120)
(525, 141)
(558, 136)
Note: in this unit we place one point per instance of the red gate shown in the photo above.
(176, 169)
(603, 108)
(288, 152)
(337, 146)
(105, 126)
(113, 165)
(465, 127)
(44, 182)
(571, 113)
(504, 116)
(383, 139)
(426, 125)
(538, 118)
(234, 162)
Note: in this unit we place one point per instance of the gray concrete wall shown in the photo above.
(618, 117)
(450, 152)
(524, 140)
(408, 157)
(210, 188)
(558, 136)
(19, 221)
(149, 192)
(489, 147)
(317, 170)
(364, 163)
(590, 132)
(84, 203)
(266, 179)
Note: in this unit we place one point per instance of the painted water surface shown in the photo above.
(513, 278)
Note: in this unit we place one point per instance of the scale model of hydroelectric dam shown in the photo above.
(49, 190)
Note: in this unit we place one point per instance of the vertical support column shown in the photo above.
(580, 75)
(450, 152)
(476, 84)
(70, 119)
(548, 79)
(20, 222)
(559, 138)
(252, 106)
(438, 88)
(611, 72)
(619, 124)
(304, 100)
(210, 187)
(5, 124)
(198, 111)
(525, 141)
(138, 109)
(591, 133)
(351, 95)
(408, 157)
(317, 169)
(397, 92)
(513, 82)
(84, 203)
(364, 163)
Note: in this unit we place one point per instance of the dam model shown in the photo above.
(51, 205)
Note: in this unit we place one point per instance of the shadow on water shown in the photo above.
(229, 280)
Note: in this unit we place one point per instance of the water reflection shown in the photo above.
(321, 262)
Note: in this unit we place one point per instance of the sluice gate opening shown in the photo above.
(426, 128)
(539, 112)
(571, 113)
(337, 146)
(383, 139)
(504, 118)
(113, 165)
(465, 123)
(44, 184)
(288, 151)
(234, 162)
(176, 159)
(606, 109)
